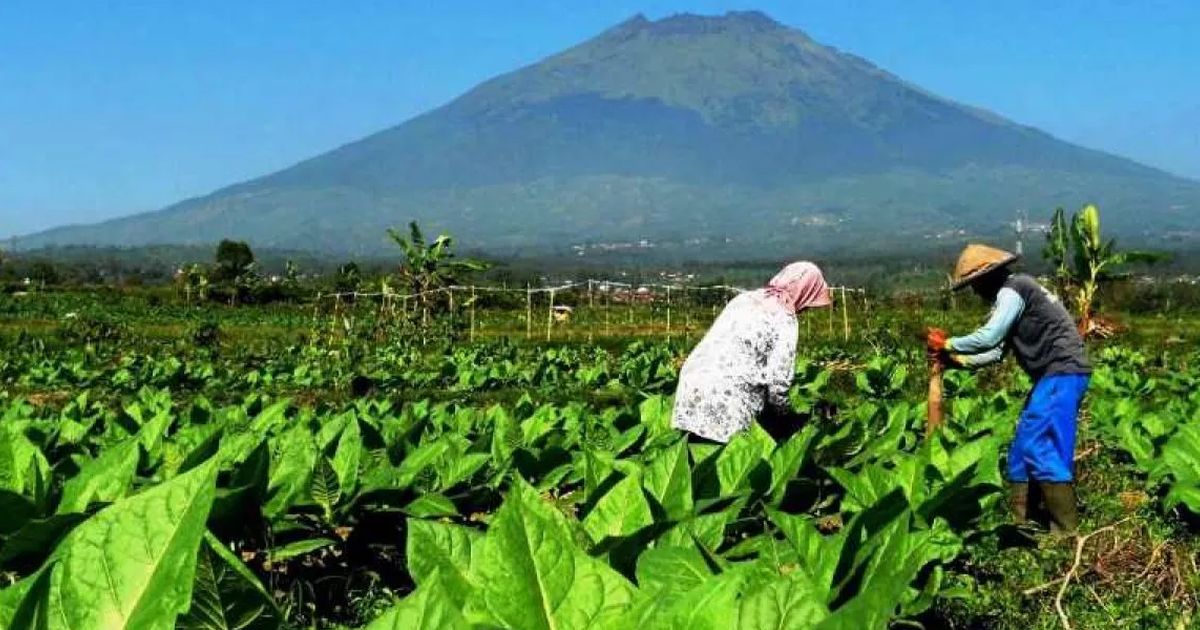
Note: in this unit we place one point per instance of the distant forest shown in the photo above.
(158, 265)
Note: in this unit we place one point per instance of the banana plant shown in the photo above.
(1095, 259)
(1058, 251)
(430, 266)
(1083, 260)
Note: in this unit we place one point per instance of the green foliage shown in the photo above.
(232, 259)
(506, 485)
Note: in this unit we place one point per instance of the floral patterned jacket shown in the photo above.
(747, 359)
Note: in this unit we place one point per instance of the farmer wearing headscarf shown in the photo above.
(1032, 323)
(747, 358)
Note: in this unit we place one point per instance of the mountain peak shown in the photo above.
(695, 24)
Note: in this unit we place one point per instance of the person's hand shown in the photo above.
(935, 340)
(952, 361)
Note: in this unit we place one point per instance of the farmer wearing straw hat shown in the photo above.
(747, 359)
(1031, 323)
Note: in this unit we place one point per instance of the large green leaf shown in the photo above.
(713, 605)
(706, 529)
(132, 565)
(444, 549)
(424, 456)
(532, 575)
(655, 414)
(597, 466)
(743, 463)
(237, 447)
(20, 459)
(668, 478)
(104, 479)
(430, 607)
(622, 511)
(887, 576)
(430, 506)
(817, 555)
(786, 603)
(347, 457)
(676, 569)
(787, 460)
(152, 433)
(293, 457)
(865, 487)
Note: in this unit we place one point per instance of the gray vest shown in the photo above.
(1045, 340)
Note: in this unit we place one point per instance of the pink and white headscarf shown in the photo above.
(799, 286)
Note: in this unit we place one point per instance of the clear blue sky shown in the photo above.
(109, 108)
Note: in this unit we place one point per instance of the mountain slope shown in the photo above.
(687, 129)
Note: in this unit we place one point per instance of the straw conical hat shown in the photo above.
(977, 260)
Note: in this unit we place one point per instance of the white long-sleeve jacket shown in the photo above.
(747, 359)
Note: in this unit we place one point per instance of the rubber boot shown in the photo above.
(1060, 503)
(1018, 501)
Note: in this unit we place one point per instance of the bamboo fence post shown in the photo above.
(668, 311)
(472, 312)
(337, 315)
(550, 315)
(845, 317)
(528, 312)
(831, 314)
(607, 302)
(687, 318)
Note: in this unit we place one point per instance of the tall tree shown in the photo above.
(233, 258)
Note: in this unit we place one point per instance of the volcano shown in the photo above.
(701, 133)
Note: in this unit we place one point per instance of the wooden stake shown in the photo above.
(935, 415)
(668, 311)
(550, 315)
(472, 312)
(831, 315)
(528, 312)
(687, 318)
(845, 316)
(607, 301)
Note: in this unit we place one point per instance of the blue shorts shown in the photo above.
(1044, 446)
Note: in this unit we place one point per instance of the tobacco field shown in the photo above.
(391, 483)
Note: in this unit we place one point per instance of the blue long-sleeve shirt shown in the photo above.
(985, 346)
